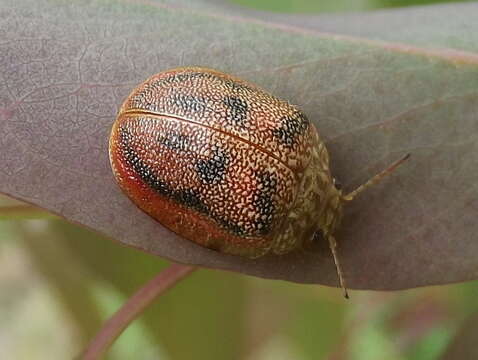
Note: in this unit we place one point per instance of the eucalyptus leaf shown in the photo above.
(374, 94)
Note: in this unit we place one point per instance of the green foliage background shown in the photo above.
(60, 282)
(314, 6)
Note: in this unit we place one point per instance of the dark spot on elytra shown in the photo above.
(264, 202)
(189, 103)
(234, 85)
(291, 127)
(212, 171)
(236, 109)
(174, 140)
(191, 199)
(188, 76)
(178, 78)
(186, 197)
(142, 100)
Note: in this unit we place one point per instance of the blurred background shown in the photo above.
(322, 6)
(59, 282)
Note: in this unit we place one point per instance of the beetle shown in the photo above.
(225, 164)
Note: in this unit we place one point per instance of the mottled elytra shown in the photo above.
(225, 164)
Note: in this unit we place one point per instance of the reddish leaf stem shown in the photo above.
(134, 307)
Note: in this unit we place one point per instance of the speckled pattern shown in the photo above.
(227, 104)
(220, 161)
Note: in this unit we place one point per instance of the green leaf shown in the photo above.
(373, 93)
(316, 326)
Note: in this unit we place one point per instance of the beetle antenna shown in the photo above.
(376, 179)
(333, 248)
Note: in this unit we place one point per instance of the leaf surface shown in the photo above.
(374, 95)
